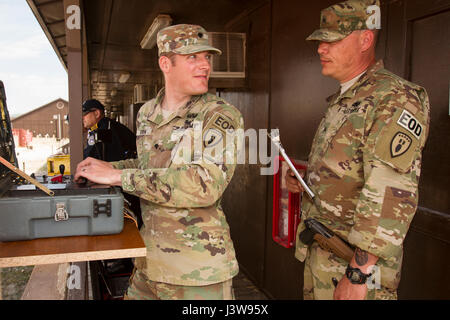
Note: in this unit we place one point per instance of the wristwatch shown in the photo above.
(356, 276)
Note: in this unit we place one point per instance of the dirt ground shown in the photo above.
(13, 282)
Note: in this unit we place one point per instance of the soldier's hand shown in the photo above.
(292, 183)
(98, 171)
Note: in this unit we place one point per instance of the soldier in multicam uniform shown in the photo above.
(365, 161)
(190, 254)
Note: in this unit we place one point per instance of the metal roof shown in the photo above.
(114, 30)
(50, 15)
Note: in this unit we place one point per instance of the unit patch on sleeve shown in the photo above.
(211, 137)
(398, 142)
(217, 128)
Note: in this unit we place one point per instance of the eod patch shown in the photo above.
(218, 127)
(223, 123)
(410, 123)
(398, 142)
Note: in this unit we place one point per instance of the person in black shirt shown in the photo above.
(107, 139)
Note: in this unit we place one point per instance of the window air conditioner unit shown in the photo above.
(141, 93)
(231, 64)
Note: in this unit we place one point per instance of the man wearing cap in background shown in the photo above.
(365, 161)
(107, 139)
(190, 254)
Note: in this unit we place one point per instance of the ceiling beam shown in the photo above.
(105, 32)
(43, 4)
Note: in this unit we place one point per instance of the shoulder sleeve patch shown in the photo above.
(399, 142)
(221, 122)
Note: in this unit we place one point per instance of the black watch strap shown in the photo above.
(356, 276)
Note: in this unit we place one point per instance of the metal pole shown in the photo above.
(276, 141)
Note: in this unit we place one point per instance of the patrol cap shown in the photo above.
(184, 39)
(340, 20)
(91, 105)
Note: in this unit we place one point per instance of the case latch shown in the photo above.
(61, 213)
(102, 208)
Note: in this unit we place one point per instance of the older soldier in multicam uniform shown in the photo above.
(365, 160)
(190, 254)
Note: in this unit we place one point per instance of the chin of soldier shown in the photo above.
(202, 88)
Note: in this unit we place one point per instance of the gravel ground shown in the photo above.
(13, 282)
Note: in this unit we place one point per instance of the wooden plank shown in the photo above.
(26, 177)
(126, 244)
(47, 282)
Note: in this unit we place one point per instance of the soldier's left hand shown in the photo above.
(345, 290)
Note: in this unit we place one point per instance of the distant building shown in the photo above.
(47, 120)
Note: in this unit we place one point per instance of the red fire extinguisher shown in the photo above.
(286, 206)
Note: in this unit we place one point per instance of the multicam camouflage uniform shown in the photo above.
(184, 39)
(141, 288)
(185, 230)
(184, 227)
(364, 166)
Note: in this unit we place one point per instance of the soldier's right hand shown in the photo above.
(98, 171)
(292, 183)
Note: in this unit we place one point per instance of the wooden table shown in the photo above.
(126, 244)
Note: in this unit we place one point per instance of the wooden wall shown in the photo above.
(246, 197)
(418, 48)
(285, 89)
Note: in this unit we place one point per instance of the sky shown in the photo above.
(29, 67)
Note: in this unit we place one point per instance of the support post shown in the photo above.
(73, 25)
